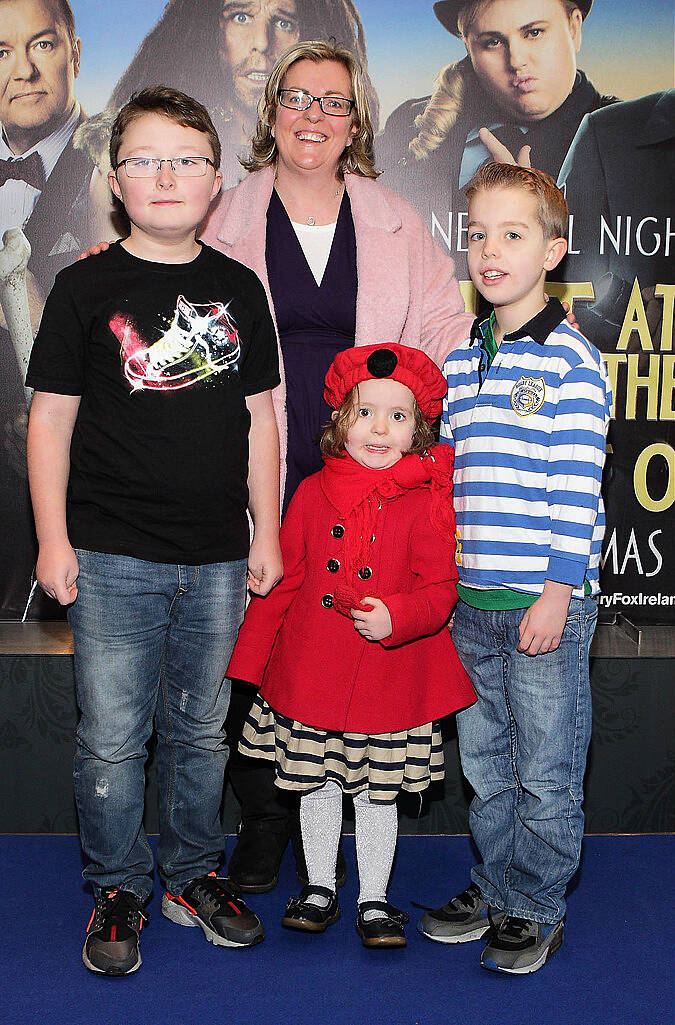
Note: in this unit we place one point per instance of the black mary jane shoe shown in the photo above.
(311, 917)
(382, 932)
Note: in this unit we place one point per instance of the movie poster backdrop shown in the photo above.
(584, 92)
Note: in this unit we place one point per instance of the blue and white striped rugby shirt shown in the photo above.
(530, 439)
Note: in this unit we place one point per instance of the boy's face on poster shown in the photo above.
(254, 33)
(38, 67)
(524, 53)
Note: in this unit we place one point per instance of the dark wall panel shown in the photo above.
(630, 784)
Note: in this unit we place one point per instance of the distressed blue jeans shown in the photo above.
(523, 749)
(152, 643)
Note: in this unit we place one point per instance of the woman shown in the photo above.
(519, 80)
(311, 200)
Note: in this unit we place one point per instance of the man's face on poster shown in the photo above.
(254, 33)
(524, 53)
(38, 67)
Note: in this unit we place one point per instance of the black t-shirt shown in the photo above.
(163, 356)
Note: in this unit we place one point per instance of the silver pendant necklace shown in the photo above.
(312, 220)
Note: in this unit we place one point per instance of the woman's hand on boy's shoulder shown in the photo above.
(569, 313)
(98, 247)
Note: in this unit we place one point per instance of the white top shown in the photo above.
(17, 198)
(316, 241)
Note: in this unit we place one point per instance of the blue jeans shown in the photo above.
(152, 643)
(523, 750)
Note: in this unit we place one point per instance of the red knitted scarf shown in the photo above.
(358, 493)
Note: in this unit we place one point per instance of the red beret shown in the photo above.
(402, 363)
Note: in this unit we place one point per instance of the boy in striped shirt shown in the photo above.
(527, 411)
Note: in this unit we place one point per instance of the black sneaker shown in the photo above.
(113, 933)
(520, 946)
(213, 905)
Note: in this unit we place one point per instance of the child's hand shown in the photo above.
(56, 571)
(99, 247)
(265, 566)
(374, 625)
(543, 623)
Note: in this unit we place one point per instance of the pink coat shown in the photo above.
(407, 290)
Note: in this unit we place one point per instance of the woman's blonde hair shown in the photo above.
(334, 436)
(454, 84)
(357, 156)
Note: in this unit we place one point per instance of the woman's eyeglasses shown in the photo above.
(300, 99)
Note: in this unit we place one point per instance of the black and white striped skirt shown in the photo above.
(305, 757)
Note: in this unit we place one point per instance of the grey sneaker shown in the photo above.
(462, 919)
(520, 946)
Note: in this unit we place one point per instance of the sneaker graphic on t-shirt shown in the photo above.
(201, 340)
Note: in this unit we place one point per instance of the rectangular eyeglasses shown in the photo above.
(300, 99)
(149, 167)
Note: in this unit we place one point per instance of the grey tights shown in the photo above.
(376, 832)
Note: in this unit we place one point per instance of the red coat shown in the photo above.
(308, 659)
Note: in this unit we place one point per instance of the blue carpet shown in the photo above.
(615, 967)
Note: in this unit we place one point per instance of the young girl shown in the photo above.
(351, 649)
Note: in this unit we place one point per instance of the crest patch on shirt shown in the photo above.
(527, 395)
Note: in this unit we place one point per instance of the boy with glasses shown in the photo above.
(151, 431)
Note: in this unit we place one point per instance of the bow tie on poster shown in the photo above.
(27, 169)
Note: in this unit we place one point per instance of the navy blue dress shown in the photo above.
(315, 322)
